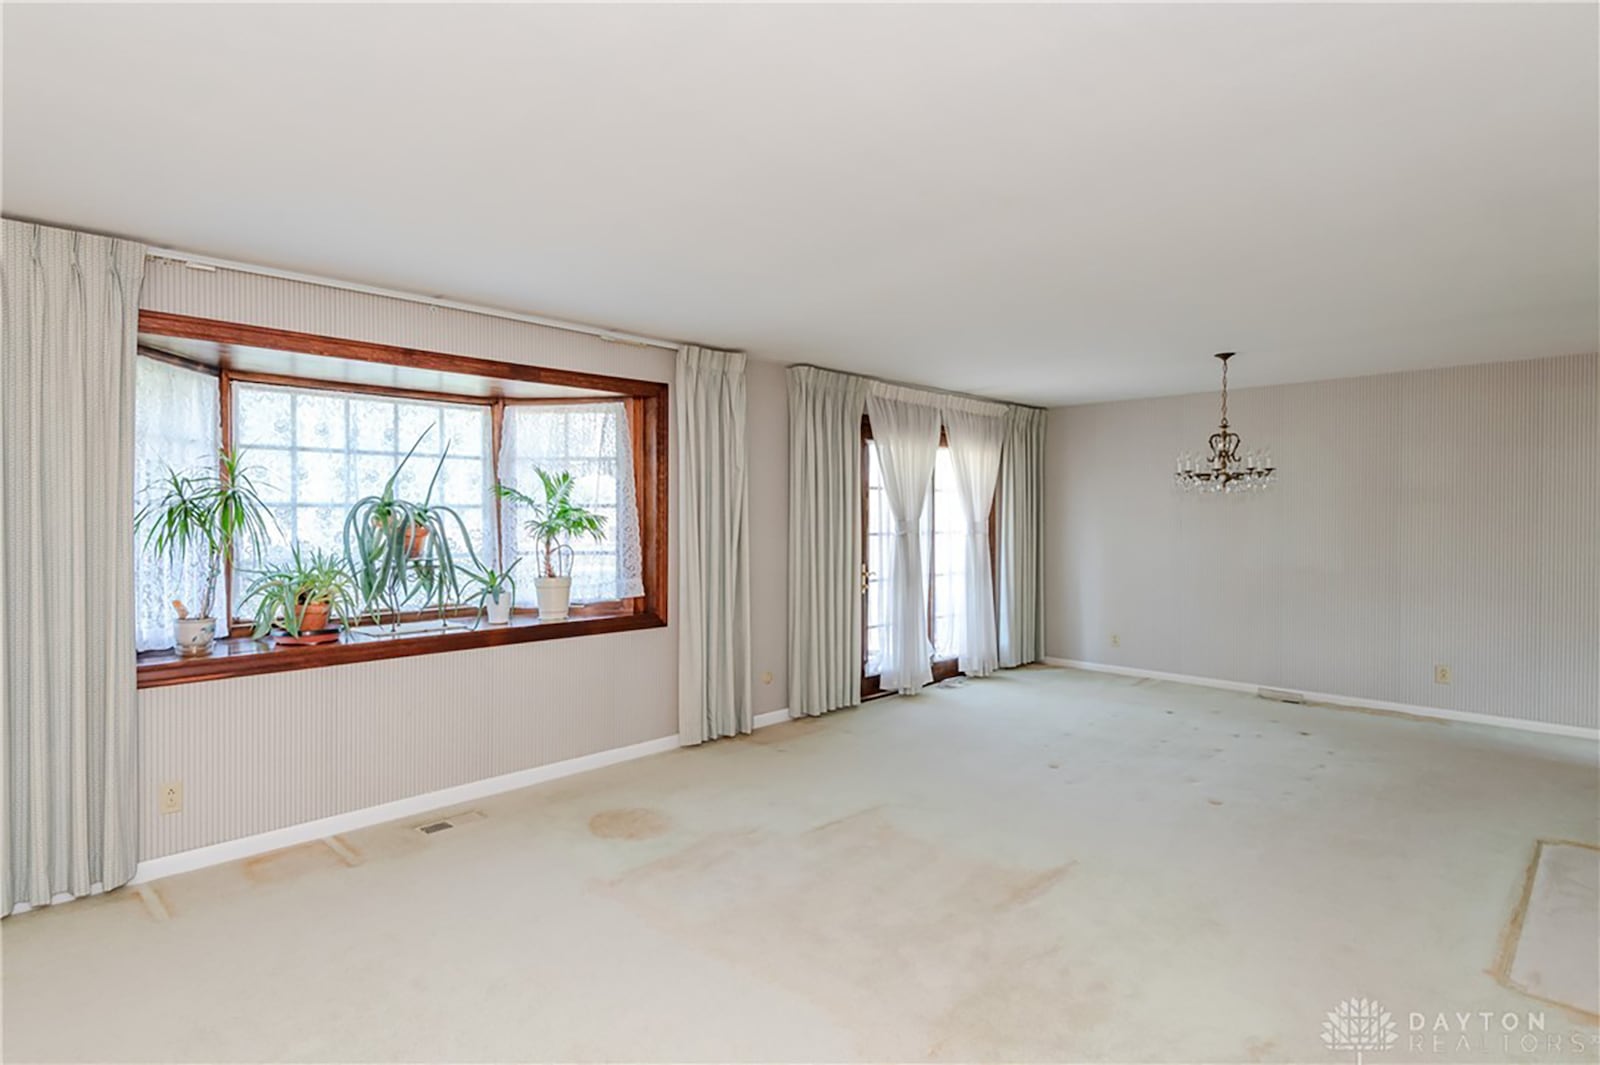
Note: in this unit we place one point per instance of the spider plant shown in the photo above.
(398, 551)
(555, 519)
(206, 512)
(291, 593)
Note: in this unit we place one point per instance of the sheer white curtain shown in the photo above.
(824, 539)
(177, 426)
(905, 428)
(591, 441)
(714, 694)
(1021, 532)
(69, 795)
(975, 433)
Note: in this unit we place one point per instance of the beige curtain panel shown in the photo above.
(714, 696)
(69, 760)
(1020, 530)
(825, 412)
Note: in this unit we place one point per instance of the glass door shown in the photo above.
(944, 560)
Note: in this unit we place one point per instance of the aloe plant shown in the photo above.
(206, 511)
(556, 519)
(491, 583)
(281, 593)
(398, 551)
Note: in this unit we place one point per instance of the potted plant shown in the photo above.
(398, 552)
(497, 592)
(301, 594)
(205, 512)
(556, 520)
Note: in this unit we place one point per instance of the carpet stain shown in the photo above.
(1214, 802)
(630, 823)
(290, 862)
(893, 933)
(155, 904)
(1262, 1049)
(1032, 887)
(789, 730)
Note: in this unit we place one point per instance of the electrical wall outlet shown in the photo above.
(172, 797)
(1116, 641)
(1441, 674)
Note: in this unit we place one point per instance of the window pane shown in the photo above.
(177, 426)
(943, 553)
(948, 565)
(317, 452)
(591, 442)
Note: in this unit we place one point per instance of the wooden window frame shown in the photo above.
(943, 668)
(646, 402)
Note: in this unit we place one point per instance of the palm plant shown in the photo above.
(555, 519)
(398, 551)
(207, 511)
(291, 593)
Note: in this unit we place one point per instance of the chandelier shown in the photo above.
(1225, 469)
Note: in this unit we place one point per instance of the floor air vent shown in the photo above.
(453, 821)
(1281, 695)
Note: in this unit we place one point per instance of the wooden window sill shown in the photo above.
(241, 656)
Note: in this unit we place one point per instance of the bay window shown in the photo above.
(321, 423)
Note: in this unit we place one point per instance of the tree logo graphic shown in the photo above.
(1359, 1024)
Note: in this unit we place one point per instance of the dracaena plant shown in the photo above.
(208, 512)
(556, 520)
(399, 551)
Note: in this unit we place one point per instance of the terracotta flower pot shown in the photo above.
(416, 538)
(314, 616)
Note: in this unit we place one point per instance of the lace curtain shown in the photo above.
(591, 441)
(975, 442)
(176, 424)
(907, 437)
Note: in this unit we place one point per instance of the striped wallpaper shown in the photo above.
(1446, 517)
(260, 753)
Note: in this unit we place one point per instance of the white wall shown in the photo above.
(259, 753)
(1445, 517)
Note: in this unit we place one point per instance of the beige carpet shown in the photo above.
(1561, 910)
(1044, 866)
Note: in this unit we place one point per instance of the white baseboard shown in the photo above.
(416, 805)
(1414, 710)
(306, 831)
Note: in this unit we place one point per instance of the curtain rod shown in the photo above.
(923, 388)
(206, 262)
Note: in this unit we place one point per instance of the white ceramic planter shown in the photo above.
(555, 595)
(499, 609)
(194, 636)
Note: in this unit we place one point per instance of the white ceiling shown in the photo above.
(1048, 204)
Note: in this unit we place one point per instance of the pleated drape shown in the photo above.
(976, 438)
(906, 432)
(825, 411)
(714, 695)
(1020, 527)
(68, 748)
